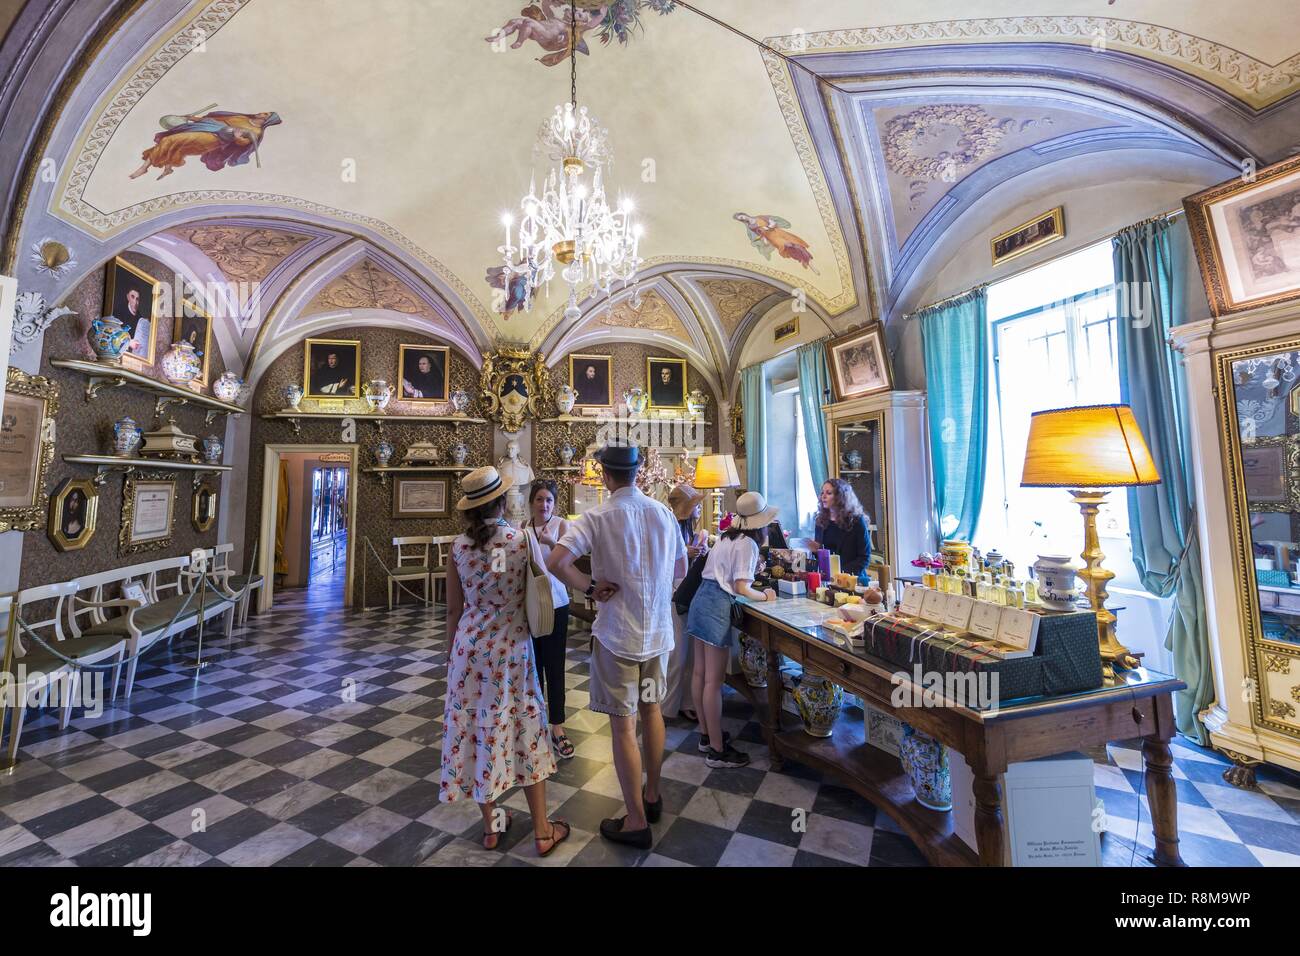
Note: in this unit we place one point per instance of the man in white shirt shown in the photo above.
(636, 552)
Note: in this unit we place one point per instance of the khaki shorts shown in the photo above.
(619, 686)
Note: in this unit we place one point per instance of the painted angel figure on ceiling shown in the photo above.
(768, 233)
(547, 22)
(515, 296)
(219, 138)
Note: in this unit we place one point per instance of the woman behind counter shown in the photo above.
(842, 527)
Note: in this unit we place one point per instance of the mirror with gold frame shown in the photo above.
(203, 509)
(26, 449)
(74, 512)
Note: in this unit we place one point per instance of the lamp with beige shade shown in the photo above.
(1089, 449)
(713, 473)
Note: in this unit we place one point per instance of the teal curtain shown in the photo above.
(814, 379)
(1150, 259)
(753, 396)
(955, 340)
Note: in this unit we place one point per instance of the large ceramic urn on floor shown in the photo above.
(753, 661)
(819, 702)
(925, 761)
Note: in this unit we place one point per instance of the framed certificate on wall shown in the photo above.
(420, 498)
(148, 508)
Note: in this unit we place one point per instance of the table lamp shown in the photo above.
(1088, 449)
(713, 473)
(591, 478)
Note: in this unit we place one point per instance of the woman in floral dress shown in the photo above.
(495, 735)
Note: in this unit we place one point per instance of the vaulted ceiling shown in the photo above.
(406, 129)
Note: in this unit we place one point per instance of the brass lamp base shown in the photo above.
(1114, 655)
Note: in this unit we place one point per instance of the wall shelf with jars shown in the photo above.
(102, 375)
(294, 419)
(107, 464)
(383, 471)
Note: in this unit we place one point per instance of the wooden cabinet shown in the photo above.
(880, 446)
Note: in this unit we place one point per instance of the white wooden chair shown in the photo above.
(412, 565)
(442, 558)
(41, 670)
(236, 582)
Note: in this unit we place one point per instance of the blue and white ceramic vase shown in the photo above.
(925, 761)
(180, 364)
(293, 395)
(459, 452)
(459, 401)
(126, 437)
(212, 449)
(384, 453)
(753, 661)
(227, 387)
(109, 338)
(819, 703)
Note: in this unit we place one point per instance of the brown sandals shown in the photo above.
(552, 839)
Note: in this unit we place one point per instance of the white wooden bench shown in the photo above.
(241, 584)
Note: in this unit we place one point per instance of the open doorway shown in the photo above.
(308, 513)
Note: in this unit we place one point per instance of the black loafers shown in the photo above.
(613, 831)
(653, 811)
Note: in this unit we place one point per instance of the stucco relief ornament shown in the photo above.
(513, 380)
(52, 258)
(914, 142)
(31, 318)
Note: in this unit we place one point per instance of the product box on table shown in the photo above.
(1067, 658)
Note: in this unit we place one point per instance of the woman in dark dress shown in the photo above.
(842, 527)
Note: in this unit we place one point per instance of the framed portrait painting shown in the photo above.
(859, 364)
(593, 380)
(148, 509)
(1027, 237)
(134, 298)
(195, 326)
(1246, 234)
(74, 512)
(420, 497)
(332, 368)
(26, 448)
(423, 373)
(666, 382)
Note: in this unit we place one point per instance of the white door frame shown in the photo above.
(265, 557)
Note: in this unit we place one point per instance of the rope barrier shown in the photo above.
(389, 571)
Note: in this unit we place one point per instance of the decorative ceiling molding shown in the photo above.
(652, 314)
(243, 254)
(1250, 80)
(733, 298)
(367, 286)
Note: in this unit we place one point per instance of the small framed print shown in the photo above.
(135, 299)
(195, 326)
(148, 510)
(786, 330)
(666, 382)
(1027, 237)
(74, 510)
(1270, 472)
(134, 591)
(203, 509)
(592, 379)
(332, 368)
(420, 497)
(423, 373)
(859, 364)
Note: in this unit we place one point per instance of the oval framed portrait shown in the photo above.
(203, 509)
(74, 511)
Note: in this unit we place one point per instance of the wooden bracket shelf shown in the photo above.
(102, 375)
(294, 418)
(107, 464)
(383, 471)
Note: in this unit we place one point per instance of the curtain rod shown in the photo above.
(908, 316)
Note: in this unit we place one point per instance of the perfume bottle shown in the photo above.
(1031, 587)
(981, 589)
(928, 579)
(1017, 598)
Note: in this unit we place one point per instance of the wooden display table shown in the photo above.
(1020, 730)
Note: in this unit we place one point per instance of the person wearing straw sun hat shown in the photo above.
(728, 574)
(495, 734)
(636, 553)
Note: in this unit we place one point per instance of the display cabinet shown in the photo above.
(879, 445)
(1244, 396)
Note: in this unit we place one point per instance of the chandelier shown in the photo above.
(571, 224)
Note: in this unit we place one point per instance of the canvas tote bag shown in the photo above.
(538, 602)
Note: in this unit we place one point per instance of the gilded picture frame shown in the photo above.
(785, 330)
(203, 505)
(148, 512)
(73, 514)
(323, 385)
(514, 380)
(120, 280)
(1028, 236)
(1246, 244)
(672, 393)
(410, 492)
(859, 363)
(405, 371)
(1270, 472)
(31, 403)
(603, 367)
(195, 326)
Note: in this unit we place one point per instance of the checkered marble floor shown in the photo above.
(312, 739)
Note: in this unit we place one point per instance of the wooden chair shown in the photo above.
(412, 565)
(236, 582)
(442, 557)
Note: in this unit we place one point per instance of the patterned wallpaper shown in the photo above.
(629, 371)
(374, 519)
(86, 427)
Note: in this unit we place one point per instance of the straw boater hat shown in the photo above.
(752, 512)
(480, 486)
(683, 500)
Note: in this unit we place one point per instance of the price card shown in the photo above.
(1019, 629)
(934, 606)
(913, 595)
(985, 619)
(958, 613)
